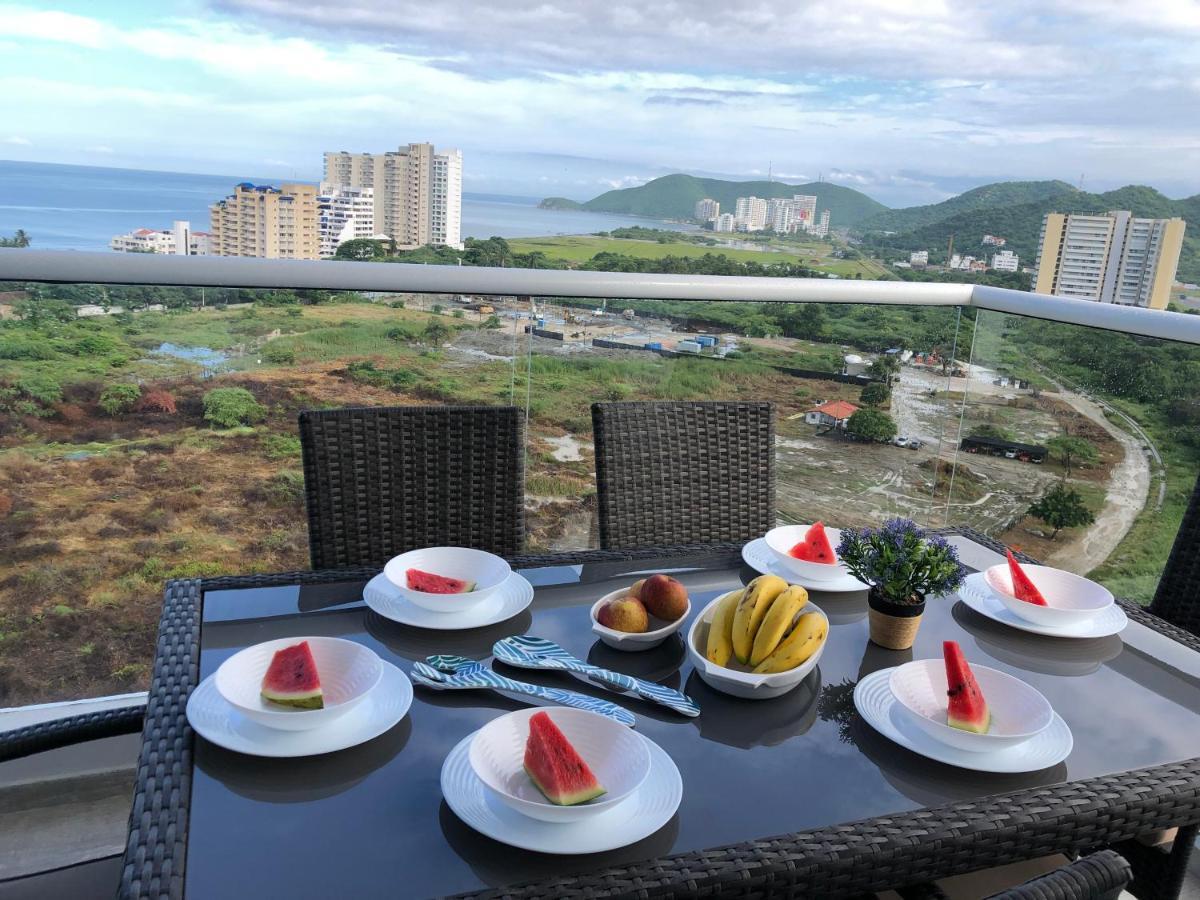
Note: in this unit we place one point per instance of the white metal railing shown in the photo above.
(65, 266)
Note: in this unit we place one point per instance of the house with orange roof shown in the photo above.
(833, 414)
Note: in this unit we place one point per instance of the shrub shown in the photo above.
(232, 406)
(6, 504)
(286, 487)
(71, 414)
(400, 333)
(875, 394)
(157, 400)
(280, 354)
(119, 398)
(491, 322)
(14, 347)
(458, 314)
(94, 345)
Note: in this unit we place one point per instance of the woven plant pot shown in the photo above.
(893, 625)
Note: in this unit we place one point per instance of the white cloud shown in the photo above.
(100, 148)
(16, 141)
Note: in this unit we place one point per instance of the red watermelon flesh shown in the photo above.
(552, 763)
(292, 678)
(428, 583)
(1023, 586)
(966, 708)
(815, 547)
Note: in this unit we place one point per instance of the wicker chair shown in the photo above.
(1178, 596)
(382, 481)
(30, 739)
(1101, 876)
(684, 473)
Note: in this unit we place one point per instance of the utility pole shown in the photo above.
(949, 251)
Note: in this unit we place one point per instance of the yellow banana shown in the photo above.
(802, 641)
(720, 630)
(751, 609)
(777, 622)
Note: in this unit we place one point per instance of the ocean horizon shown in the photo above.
(66, 207)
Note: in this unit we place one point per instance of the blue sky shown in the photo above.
(573, 97)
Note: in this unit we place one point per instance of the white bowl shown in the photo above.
(660, 629)
(348, 671)
(616, 754)
(740, 681)
(1018, 711)
(487, 570)
(1072, 599)
(782, 539)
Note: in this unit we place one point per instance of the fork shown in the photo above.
(446, 672)
(531, 652)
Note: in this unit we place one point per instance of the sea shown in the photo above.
(82, 207)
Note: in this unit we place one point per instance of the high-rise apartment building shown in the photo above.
(779, 216)
(821, 229)
(1111, 258)
(725, 222)
(706, 210)
(417, 191)
(750, 213)
(344, 214)
(804, 212)
(265, 221)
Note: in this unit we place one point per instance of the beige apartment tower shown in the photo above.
(267, 222)
(418, 191)
(1113, 258)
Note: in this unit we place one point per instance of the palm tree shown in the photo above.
(20, 239)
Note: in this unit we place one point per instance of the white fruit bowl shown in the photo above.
(631, 641)
(1018, 710)
(782, 539)
(1072, 599)
(487, 570)
(740, 681)
(616, 754)
(348, 671)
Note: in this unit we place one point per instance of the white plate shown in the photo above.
(1072, 600)
(216, 720)
(648, 809)
(976, 594)
(758, 556)
(877, 705)
(509, 599)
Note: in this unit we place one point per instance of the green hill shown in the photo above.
(1003, 193)
(560, 203)
(1021, 223)
(675, 196)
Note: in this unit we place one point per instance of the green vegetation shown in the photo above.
(19, 239)
(872, 425)
(675, 196)
(1072, 450)
(120, 398)
(1062, 507)
(229, 407)
(875, 394)
(986, 197)
(362, 249)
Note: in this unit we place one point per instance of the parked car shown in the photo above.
(914, 444)
(1010, 454)
(900, 441)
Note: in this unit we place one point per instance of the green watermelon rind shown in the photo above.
(307, 700)
(466, 586)
(960, 718)
(566, 799)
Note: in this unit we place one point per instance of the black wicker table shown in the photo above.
(849, 811)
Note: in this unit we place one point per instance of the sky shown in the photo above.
(908, 102)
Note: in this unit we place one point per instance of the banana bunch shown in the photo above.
(764, 626)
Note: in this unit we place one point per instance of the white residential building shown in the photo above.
(919, 258)
(179, 240)
(725, 222)
(804, 212)
(994, 241)
(706, 210)
(751, 213)
(1113, 258)
(779, 216)
(1006, 261)
(344, 214)
(417, 191)
(963, 263)
(822, 227)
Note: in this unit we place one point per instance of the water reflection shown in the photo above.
(417, 643)
(1035, 652)
(659, 664)
(498, 864)
(305, 778)
(737, 722)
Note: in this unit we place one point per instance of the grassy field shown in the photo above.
(582, 247)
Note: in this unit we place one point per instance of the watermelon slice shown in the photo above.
(552, 763)
(966, 708)
(815, 547)
(292, 678)
(1023, 587)
(428, 583)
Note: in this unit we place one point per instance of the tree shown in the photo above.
(1062, 507)
(436, 333)
(231, 406)
(1073, 450)
(19, 239)
(120, 398)
(362, 250)
(875, 394)
(872, 425)
(884, 367)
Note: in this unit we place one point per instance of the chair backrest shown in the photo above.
(1178, 596)
(381, 481)
(684, 472)
(1100, 876)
